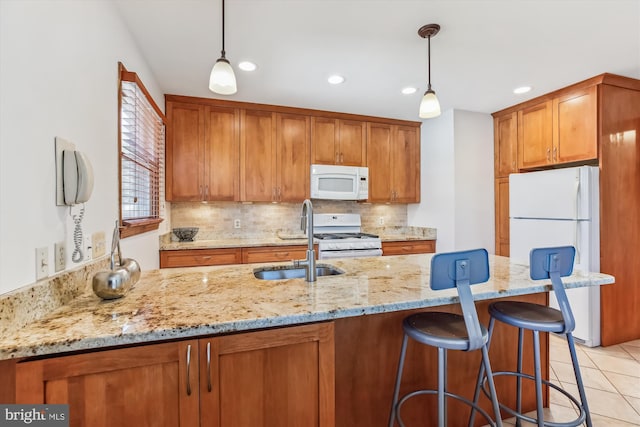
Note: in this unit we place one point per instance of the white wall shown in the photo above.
(457, 181)
(58, 77)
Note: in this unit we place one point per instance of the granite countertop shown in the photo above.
(188, 302)
(285, 238)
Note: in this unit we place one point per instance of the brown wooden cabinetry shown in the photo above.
(267, 378)
(202, 152)
(274, 157)
(505, 136)
(502, 216)
(199, 257)
(273, 253)
(408, 247)
(393, 158)
(338, 142)
(152, 385)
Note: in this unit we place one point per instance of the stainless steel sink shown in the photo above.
(291, 272)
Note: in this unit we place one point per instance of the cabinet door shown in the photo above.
(273, 253)
(353, 143)
(576, 126)
(405, 165)
(184, 152)
(378, 155)
(274, 378)
(535, 136)
(502, 216)
(293, 166)
(505, 144)
(257, 156)
(324, 141)
(151, 385)
(222, 153)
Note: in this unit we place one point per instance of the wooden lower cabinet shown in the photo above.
(200, 257)
(274, 253)
(408, 247)
(280, 377)
(502, 216)
(138, 386)
(269, 378)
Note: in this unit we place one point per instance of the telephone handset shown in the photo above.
(77, 177)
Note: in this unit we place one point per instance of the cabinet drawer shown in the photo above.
(409, 247)
(273, 253)
(199, 257)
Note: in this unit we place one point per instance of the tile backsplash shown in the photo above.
(216, 219)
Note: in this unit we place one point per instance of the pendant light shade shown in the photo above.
(429, 106)
(222, 79)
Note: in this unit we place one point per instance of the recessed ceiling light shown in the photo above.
(521, 89)
(335, 79)
(247, 66)
(409, 90)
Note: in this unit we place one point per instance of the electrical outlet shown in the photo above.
(88, 248)
(42, 263)
(99, 244)
(236, 223)
(59, 256)
(381, 220)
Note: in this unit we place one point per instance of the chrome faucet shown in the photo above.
(306, 224)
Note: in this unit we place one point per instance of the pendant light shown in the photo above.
(222, 79)
(429, 106)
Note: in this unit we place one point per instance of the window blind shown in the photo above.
(142, 135)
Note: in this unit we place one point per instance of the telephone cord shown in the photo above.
(77, 255)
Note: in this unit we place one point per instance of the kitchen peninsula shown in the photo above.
(217, 342)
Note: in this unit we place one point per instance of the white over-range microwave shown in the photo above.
(331, 182)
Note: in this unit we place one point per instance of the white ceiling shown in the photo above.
(484, 50)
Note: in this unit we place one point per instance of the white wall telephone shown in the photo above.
(77, 177)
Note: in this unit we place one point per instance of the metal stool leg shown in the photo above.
(442, 384)
(492, 387)
(396, 391)
(576, 370)
(519, 377)
(538, 376)
(476, 394)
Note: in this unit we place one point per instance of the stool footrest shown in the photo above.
(466, 401)
(578, 421)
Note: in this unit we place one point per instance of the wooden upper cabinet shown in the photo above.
(222, 151)
(293, 166)
(338, 142)
(575, 126)
(393, 158)
(150, 385)
(535, 135)
(257, 156)
(505, 144)
(184, 152)
(202, 153)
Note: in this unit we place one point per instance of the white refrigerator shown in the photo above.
(555, 208)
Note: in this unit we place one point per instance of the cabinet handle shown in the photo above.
(189, 370)
(337, 157)
(282, 255)
(201, 191)
(209, 366)
(548, 154)
(513, 166)
(341, 158)
(555, 153)
(279, 194)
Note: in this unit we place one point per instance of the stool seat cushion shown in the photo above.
(437, 329)
(528, 316)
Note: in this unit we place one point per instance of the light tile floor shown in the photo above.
(611, 378)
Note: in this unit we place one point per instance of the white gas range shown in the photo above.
(339, 236)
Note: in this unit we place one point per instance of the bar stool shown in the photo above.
(545, 263)
(448, 331)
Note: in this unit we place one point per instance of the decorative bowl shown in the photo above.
(185, 234)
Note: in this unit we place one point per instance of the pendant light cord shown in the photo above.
(223, 52)
(428, 61)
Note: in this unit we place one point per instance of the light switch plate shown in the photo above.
(42, 263)
(99, 245)
(59, 256)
